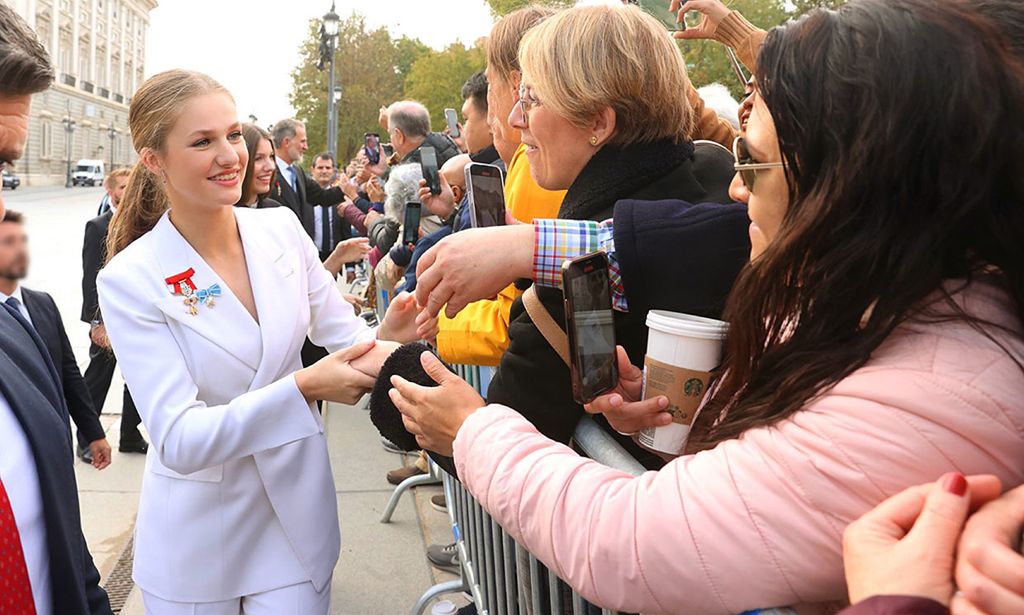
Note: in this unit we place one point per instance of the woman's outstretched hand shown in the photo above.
(622, 406)
(399, 322)
(906, 545)
(333, 378)
(435, 414)
(471, 265)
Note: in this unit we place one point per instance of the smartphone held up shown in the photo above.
(590, 326)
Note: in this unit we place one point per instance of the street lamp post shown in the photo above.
(69, 127)
(113, 133)
(328, 44)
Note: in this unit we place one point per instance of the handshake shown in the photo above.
(346, 375)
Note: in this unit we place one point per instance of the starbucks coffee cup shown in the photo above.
(682, 350)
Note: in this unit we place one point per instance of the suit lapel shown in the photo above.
(27, 352)
(273, 278)
(228, 324)
(43, 321)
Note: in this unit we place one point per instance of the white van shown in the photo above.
(88, 172)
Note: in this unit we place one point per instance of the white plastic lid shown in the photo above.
(674, 323)
(444, 607)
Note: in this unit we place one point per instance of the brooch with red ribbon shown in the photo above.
(182, 285)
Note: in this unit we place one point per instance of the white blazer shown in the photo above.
(237, 497)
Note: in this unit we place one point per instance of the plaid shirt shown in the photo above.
(556, 241)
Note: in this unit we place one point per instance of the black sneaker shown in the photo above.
(445, 557)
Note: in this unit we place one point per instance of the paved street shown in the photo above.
(383, 569)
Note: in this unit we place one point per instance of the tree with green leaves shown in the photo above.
(436, 78)
(371, 68)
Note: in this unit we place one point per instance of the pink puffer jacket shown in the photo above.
(757, 521)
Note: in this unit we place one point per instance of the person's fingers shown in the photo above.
(438, 298)
(410, 424)
(627, 370)
(943, 515)
(894, 517)
(423, 317)
(355, 351)
(960, 605)
(410, 391)
(603, 404)
(985, 594)
(674, 5)
(454, 305)
(359, 380)
(435, 368)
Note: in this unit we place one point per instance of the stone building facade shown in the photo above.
(98, 50)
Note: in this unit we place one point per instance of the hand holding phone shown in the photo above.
(428, 164)
(411, 225)
(590, 326)
(485, 187)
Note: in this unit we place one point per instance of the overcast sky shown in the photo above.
(251, 46)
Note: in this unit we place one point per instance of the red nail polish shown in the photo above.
(955, 483)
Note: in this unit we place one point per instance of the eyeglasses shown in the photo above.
(746, 166)
(527, 103)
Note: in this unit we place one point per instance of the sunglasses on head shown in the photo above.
(745, 165)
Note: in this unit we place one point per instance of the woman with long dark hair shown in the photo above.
(875, 342)
(261, 169)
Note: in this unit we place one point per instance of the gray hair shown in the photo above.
(411, 117)
(403, 187)
(717, 98)
(285, 129)
(24, 64)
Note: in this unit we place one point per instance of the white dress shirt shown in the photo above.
(21, 303)
(21, 481)
(287, 172)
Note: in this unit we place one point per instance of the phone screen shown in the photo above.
(411, 227)
(371, 144)
(453, 122)
(428, 163)
(658, 9)
(591, 326)
(487, 195)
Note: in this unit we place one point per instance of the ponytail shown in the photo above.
(141, 206)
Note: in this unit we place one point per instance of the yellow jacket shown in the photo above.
(478, 335)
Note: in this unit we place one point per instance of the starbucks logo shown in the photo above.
(693, 387)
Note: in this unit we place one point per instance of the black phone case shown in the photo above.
(576, 373)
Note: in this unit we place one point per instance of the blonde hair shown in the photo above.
(507, 33)
(587, 58)
(122, 172)
(155, 108)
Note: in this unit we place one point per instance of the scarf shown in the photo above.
(617, 172)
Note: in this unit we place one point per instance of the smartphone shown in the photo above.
(428, 163)
(411, 227)
(453, 123)
(371, 145)
(590, 325)
(659, 9)
(486, 189)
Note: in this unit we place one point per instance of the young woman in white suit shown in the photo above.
(207, 306)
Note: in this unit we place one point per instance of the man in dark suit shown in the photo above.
(293, 188)
(101, 360)
(41, 312)
(44, 562)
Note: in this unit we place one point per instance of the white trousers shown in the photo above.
(301, 599)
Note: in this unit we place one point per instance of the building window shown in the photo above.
(47, 140)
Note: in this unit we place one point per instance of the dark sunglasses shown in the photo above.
(746, 166)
